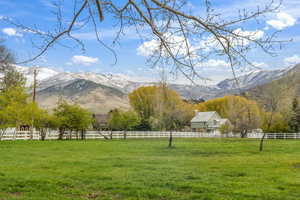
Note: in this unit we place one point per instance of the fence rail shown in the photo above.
(283, 135)
(54, 135)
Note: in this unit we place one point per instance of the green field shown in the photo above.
(145, 169)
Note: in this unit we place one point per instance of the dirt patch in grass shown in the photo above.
(16, 194)
(93, 195)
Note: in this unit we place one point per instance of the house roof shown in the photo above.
(203, 116)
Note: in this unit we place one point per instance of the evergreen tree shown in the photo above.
(294, 122)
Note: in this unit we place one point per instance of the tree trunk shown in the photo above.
(111, 134)
(61, 133)
(43, 134)
(82, 135)
(244, 133)
(125, 134)
(31, 129)
(261, 146)
(170, 139)
(31, 132)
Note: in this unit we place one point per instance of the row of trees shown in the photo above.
(276, 116)
(154, 108)
(160, 108)
(17, 110)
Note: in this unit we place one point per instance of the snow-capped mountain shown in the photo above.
(100, 92)
(252, 79)
(48, 77)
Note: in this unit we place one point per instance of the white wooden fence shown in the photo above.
(53, 135)
(283, 135)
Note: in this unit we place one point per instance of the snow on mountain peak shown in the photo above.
(252, 79)
(48, 77)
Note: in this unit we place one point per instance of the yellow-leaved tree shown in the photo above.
(161, 108)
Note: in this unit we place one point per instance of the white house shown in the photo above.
(208, 121)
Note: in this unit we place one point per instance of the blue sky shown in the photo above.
(130, 61)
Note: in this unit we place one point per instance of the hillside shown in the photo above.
(95, 97)
(290, 81)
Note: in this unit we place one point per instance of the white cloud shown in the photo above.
(82, 60)
(211, 42)
(177, 45)
(11, 32)
(295, 59)
(148, 48)
(283, 20)
(214, 64)
(253, 35)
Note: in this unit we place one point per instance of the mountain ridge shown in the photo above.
(112, 89)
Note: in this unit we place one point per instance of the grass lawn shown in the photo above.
(145, 169)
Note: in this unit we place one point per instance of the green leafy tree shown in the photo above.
(114, 121)
(123, 120)
(142, 100)
(5, 121)
(72, 118)
(15, 110)
(39, 119)
(129, 120)
(13, 103)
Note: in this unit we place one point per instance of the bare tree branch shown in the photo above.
(175, 31)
